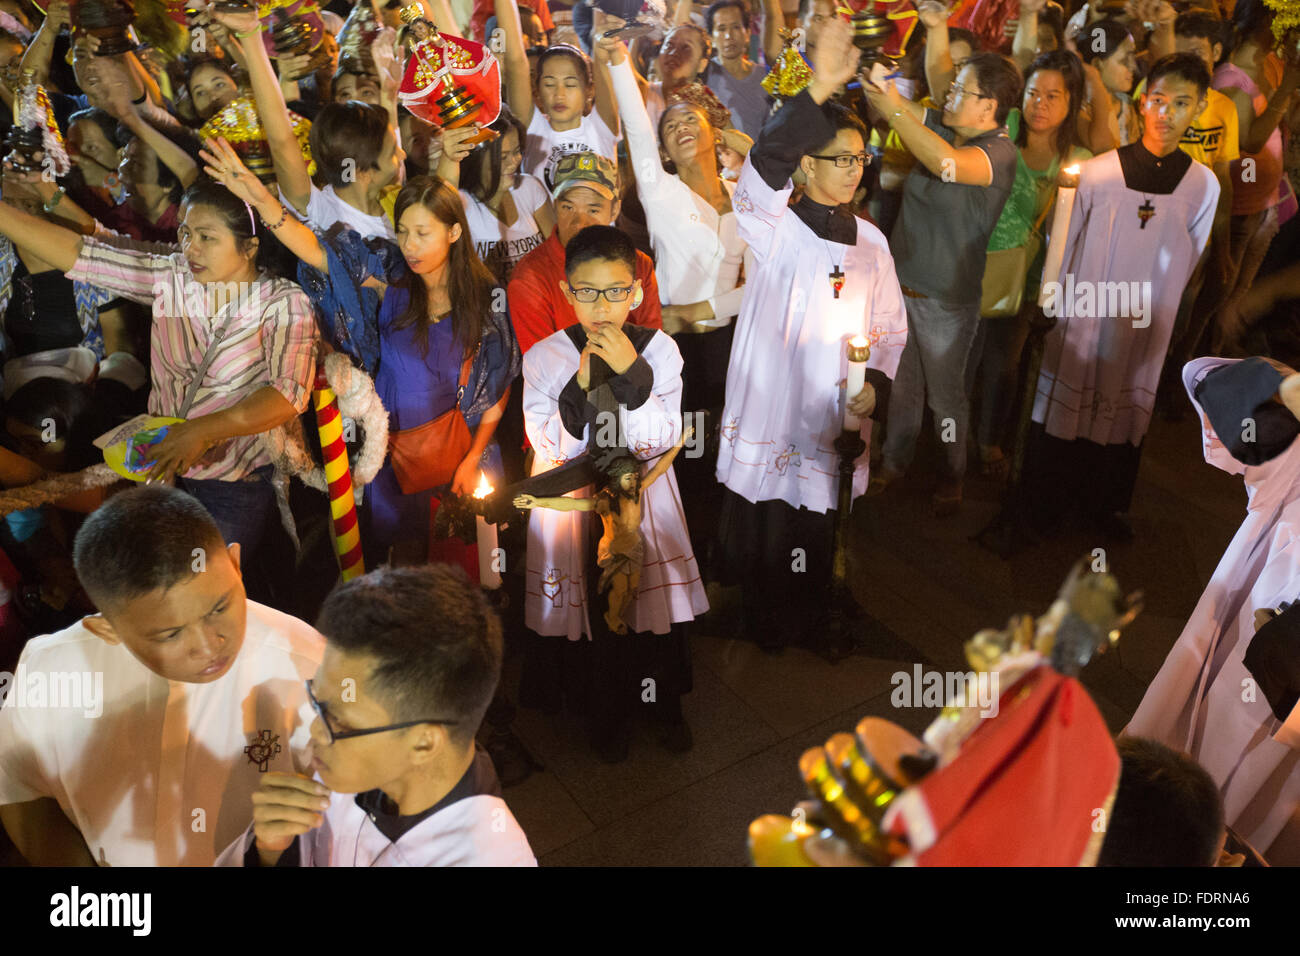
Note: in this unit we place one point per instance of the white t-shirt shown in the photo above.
(509, 243)
(545, 146)
(325, 208)
(156, 772)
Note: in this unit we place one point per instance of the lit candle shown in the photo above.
(488, 576)
(1068, 184)
(859, 352)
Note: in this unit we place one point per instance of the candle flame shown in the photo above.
(859, 341)
(1072, 170)
(484, 488)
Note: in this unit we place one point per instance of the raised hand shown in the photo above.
(236, 21)
(223, 164)
(835, 61)
(612, 344)
(455, 141)
(285, 806)
(933, 13)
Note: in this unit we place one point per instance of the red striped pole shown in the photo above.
(343, 503)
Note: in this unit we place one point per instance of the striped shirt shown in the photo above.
(270, 341)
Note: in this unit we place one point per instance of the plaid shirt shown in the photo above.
(271, 341)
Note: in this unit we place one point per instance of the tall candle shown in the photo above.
(859, 351)
(488, 576)
(1068, 184)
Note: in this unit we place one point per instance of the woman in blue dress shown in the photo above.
(410, 313)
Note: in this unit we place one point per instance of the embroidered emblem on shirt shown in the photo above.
(264, 746)
(787, 458)
(741, 201)
(729, 429)
(553, 586)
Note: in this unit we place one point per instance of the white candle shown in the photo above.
(1068, 185)
(859, 352)
(488, 576)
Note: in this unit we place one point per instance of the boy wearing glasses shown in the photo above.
(189, 695)
(610, 388)
(412, 659)
(824, 277)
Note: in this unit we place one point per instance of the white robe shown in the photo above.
(670, 590)
(785, 382)
(1204, 701)
(477, 831)
(1099, 374)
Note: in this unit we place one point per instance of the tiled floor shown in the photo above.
(931, 587)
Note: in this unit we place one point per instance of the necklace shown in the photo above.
(1146, 211)
(835, 275)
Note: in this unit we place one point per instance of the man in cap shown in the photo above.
(585, 194)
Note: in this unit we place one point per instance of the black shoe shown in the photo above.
(514, 764)
(676, 737)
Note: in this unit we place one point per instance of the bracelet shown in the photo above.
(53, 201)
(248, 33)
(284, 214)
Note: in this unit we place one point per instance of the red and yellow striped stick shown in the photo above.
(343, 504)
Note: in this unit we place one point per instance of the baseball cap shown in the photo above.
(586, 169)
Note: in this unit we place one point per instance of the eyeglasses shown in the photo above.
(845, 160)
(336, 735)
(960, 91)
(615, 294)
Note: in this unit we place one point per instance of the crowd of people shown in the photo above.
(627, 299)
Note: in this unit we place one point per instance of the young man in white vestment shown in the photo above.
(823, 277)
(202, 694)
(1225, 695)
(412, 659)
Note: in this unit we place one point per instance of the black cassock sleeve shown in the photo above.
(1273, 659)
(796, 129)
(1238, 401)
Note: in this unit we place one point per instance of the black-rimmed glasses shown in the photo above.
(845, 160)
(616, 294)
(334, 735)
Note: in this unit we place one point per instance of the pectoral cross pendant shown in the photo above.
(837, 281)
(1145, 212)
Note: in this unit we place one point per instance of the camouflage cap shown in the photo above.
(586, 169)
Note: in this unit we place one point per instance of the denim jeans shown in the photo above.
(932, 371)
(240, 508)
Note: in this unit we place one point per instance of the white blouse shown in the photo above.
(698, 252)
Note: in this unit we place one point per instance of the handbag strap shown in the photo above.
(465, 368)
(208, 358)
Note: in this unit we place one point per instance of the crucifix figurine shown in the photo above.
(837, 281)
(1146, 211)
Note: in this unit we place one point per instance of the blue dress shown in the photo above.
(415, 389)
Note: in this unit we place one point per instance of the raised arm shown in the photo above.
(290, 167)
(939, 68)
(455, 149)
(37, 57)
(56, 245)
(606, 104)
(223, 164)
(773, 23)
(1101, 131)
(1024, 47)
(641, 143)
(519, 78)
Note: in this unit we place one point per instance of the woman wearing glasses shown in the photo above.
(443, 333)
(698, 251)
(822, 278)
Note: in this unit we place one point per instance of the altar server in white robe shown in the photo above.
(412, 659)
(642, 368)
(196, 694)
(1209, 698)
(1140, 221)
(823, 277)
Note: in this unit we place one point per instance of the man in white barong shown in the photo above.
(198, 692)
(823, 277)
(1210, 698)
(1140, 220)
(640, 369)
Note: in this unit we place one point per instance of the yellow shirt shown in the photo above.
(1213, 136)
